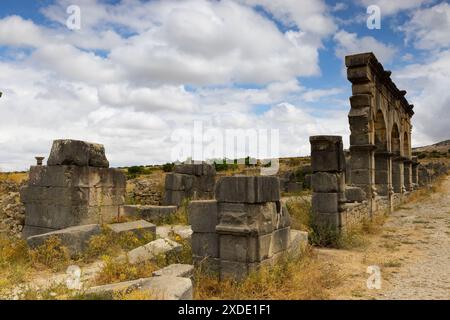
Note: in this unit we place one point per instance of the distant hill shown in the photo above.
(442, 146)
(438, 152)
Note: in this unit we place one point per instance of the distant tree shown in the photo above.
(168, 167)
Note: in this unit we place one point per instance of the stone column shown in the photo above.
(382, 169)
(398, 175)
(415, 172)
(407, 167)
(424, 176)
(328, 182)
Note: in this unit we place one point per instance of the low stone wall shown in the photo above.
(193, 181)
(336, 205)
(12, 210)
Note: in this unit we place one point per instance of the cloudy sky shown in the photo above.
(137, 71)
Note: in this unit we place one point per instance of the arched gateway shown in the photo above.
(380, 125)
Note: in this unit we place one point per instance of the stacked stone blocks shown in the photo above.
(75, 188)
(245, 227)
(193, 181)
(328, 181)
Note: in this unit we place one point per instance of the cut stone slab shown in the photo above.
(79, 153)
(327, 153)
(201, 169)
(74, 238)
(152, 249)
(169, 288)
(159, 288)
(176, 270)
(150, 213)
(138, 227)
(248, 189)
(299, 241)
(185, 232)
(355, 194)
(203, 215)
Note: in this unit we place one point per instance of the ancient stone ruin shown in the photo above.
(189, 181)
(378, 171)
(76, 187)
(246, 226)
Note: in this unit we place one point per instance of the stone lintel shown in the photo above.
(384, 154)
(363, 147)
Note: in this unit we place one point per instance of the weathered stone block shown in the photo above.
(207, 264)
(281, 239)
(361, 100)
(158, 288)
(205, 244)
(325, 202)
(29, 231)
(327, 153)
(184, 232)
(179, 182)
(138, 228)
(242, 189)
(299, 241)
(176, 270)
(233, 270)
(246, 248)
(359, 74)
(203, 215)
(238, 248)
(74, 238)
(361, 88)
(74, 176)
(360, 160)
(327, 182)
(361, 177)
(294, 186)
(283, 220)
(381, 176)
(326, 221)
(152, 249)
(355, 194)
(174, 198)
(79, 153)
(202, 169)
(157, 213)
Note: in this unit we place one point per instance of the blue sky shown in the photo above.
(135, 71)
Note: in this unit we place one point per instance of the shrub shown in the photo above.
(51, 254)
(422, 155)
(13, 252)
(168, 167)
(110, 244)
(119, 271)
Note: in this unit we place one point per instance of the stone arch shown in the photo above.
(382, 157)
(380, 131)
(407, 164)
(397, 164)
(406, 148)
(395, 140)
(374, 97)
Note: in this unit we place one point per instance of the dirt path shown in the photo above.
(412, 251)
